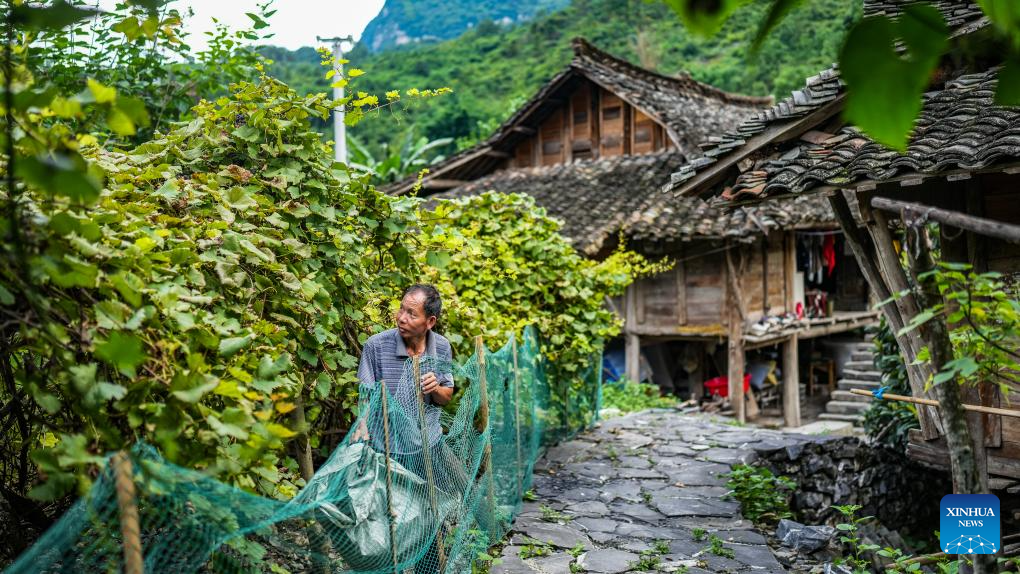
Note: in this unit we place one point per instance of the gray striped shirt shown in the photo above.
(384, 358)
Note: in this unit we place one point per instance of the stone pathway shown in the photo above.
(644, 492)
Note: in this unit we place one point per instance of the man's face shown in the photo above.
(412, 321)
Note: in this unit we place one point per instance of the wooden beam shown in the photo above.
(777, 133)
(497, 153)
(735, 343)
(863, 249)
(443, 183)
(791, 383)
(528, 131)
(980, 225)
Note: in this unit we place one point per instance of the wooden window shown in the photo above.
(644, 128)
(552, 139)
(611, 129)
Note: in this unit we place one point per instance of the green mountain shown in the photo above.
(493, 68)
(403, 22)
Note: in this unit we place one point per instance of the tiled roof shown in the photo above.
(595, 199)
(690, 110)
(818, 91)
(959, 128)
(962, 16)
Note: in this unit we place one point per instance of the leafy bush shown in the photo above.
(628, 396)
(763, 497)
(216, 288)
(890, 421)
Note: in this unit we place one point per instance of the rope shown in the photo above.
(389, 472)
(127, 504)
(426, 447)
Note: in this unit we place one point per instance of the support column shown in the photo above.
(735, 343)
(791, 383)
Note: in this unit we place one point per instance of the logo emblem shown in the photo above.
(970, 524)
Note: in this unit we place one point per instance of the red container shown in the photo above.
(720, 386)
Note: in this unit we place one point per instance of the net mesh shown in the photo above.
(411, 488)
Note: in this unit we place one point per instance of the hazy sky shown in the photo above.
(296, 22)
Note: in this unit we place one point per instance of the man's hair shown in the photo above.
(433, 302)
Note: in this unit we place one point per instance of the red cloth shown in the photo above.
(829, 253)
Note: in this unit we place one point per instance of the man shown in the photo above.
(384, 358)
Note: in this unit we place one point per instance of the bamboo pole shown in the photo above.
(929, 402)
(389, 475)
(127, 504)
(487, 453)
(426, 447)
(517, 418)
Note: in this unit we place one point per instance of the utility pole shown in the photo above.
(339, 129)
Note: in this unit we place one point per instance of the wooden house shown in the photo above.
(593, 147)
(598, 107)
(961, 170)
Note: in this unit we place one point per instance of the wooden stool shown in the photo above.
(825, 367)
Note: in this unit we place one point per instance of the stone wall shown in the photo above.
(900, 493)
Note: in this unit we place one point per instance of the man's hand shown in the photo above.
(429, 383)
(430, 386)
(361, 433)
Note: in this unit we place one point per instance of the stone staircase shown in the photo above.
(858, 373)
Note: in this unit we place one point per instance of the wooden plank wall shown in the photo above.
(694, 293)
(592, 122)
(1000, 204)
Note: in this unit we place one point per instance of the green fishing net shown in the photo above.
(410, 489)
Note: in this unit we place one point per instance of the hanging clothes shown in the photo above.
(829, 254)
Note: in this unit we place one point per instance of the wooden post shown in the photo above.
(735, 362)
(864, 251)
(127, 504)
(517, 419)
(426, 451)
(791, 383)
(389, 477)
(487, 452)
(631, 339)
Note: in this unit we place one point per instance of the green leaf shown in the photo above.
(123, 351)
(232, 345)
(57, 15)
(1007, 90)
(195, 394)
(269, 368)
(120, 123)
(101, 93)
(885, 88)
(6, 297)
(259, 23)
(438, 259)
(60, 174)
(704, 17)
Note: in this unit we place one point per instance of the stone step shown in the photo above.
(847, 384)
(862, 356)
(862, 375)
(859, 366)
(846, 407)
(841, 417)
(840, 395)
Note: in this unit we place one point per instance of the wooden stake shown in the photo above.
(980, 225)
(127, 503)
(735, 360)
(389, 475)
(929, 402)
(517, 418)
(791, 383)
(487, 453)
(426, 448)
